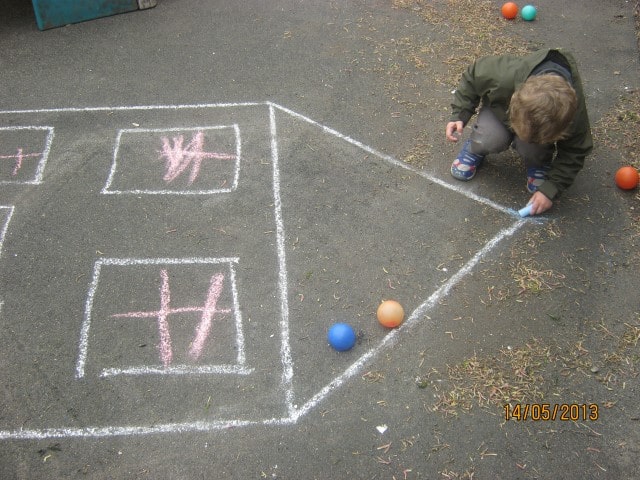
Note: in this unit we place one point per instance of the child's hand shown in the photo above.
(454, 130)
(540, 203)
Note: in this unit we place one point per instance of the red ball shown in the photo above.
(627, 178)
(510, 10)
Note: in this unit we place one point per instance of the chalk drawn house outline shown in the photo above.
(293, 412)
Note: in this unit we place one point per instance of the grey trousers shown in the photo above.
(490, 135)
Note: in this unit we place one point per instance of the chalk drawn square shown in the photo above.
(162, 316)
(184, 161)
(23, 154)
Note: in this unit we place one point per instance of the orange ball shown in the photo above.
(627, 178)
(390, 313)
(510, 10)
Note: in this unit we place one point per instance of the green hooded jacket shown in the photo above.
(491, 81)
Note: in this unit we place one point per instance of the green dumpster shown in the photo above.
(55, 13)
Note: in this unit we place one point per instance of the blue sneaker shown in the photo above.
(536, 177)
(464, 167)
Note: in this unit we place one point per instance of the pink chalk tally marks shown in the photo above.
(178, 159)
(203, 330)
(208, 311)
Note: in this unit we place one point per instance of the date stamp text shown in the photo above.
(545, 412)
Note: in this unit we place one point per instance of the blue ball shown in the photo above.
(528, 13)
(341, 337)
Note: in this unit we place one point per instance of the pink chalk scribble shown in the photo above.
(18, 158)
(178, 158)
(208, 311)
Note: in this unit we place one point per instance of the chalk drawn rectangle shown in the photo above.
(24, 151)
(127, 278)
(175, 161)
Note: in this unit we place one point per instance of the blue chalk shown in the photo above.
(525, 212)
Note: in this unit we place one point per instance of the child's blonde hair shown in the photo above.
(542, 109)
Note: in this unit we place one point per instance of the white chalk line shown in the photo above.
(37, 178)
(194, 106)
(240, 356)
(114, 164)
(166, 261)
(100, 432)
(398, 163)
(285, 347)
(295, 413)
(178, 370)
(236, 173)
(5, 225)
(106, 190)
(177, 129)
(213, 191)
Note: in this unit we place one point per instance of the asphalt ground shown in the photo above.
(191, 196)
